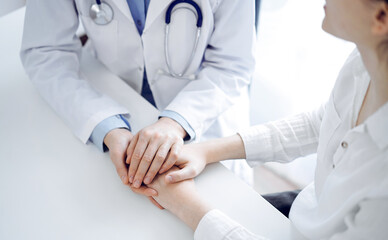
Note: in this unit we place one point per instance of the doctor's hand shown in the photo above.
(117, 141)
(191, 162)
(153, 150)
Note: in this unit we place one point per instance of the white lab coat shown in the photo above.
(214, 96)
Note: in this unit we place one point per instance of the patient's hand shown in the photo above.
(171, 195)
(191, 161)
(182, 199)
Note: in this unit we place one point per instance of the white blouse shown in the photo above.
(349, 197)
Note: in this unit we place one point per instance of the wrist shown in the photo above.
(192, 211)
(179, 129)
(224, 149)
(116, 135)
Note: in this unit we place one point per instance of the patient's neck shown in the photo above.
(377, 94)
(377, 67)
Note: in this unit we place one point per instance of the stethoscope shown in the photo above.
(102, 14)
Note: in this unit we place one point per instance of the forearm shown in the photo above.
(192, 210)
(225, 148)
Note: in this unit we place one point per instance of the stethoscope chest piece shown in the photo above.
(101, 14)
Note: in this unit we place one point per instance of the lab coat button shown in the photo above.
(344, 145)
(140, 69)
(333, 166)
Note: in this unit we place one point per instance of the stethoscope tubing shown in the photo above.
(192, 3)
(102, 14)
(199, 16)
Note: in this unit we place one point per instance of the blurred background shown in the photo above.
(297, 65)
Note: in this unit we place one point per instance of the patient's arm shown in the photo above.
(182, 199)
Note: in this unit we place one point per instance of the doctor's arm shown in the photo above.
(51, 54)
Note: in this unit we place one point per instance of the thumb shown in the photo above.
(180, 175)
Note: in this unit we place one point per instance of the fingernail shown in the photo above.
(147, 180)
(169, 179)
(137, 184)
(153, 192)
(131, 179)
(161, 170)
(122, 178)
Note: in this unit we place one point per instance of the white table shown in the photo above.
(54, 187)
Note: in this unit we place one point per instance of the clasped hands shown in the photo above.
(151, 154)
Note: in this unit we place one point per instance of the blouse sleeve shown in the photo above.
(216, 226)
(283, 140)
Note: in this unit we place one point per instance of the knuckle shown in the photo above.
(174, 155)
(146, 133)
(191, 172)
(176, 138)
(129, 150)
(163, 150)
(171, 137)
(157, 136)
(159, 157)
(147, 158)
(136, 156)
(151, 173)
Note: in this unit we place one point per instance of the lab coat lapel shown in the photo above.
(155, 8)
(122, 5)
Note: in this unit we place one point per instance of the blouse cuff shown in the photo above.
(215, 225)
(257, 145)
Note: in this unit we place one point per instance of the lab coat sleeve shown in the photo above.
(226, 70)
(217, 226)
(51, 57)
(283, 140)
(104, 127)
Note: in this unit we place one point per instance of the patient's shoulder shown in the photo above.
(352, 72)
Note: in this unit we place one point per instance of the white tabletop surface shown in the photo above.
(54, 187)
